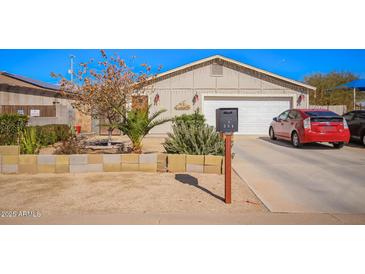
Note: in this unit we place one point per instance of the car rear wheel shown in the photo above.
(295, 140)
(363, 139)
(338, 145)
(272, 134)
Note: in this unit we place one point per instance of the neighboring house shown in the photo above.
(42, 102)
(217, 82)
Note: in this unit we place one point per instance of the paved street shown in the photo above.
(314, 179)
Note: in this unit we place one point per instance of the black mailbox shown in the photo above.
(226, 119)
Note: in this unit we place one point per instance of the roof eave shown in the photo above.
(161, 75)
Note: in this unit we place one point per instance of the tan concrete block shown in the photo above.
(62, 159)
(78, 159)
(162, 162)
(9, 150)
(111, 167)
(130, 158)
(46, 159)
(9, 169)
(212, 169)
(94, 158)
(176, 162)
(149, 158)
(10, 159)
(46, 168)
(62, 169)
(129, 167)
(148, 167)
(162, 158)
(213, 160)
(32, 169)
(194, 168)
(195, 159)
(111, 158)
(28, 159)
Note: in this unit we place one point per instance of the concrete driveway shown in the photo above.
(316, 178)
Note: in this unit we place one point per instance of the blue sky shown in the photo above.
(294, 64)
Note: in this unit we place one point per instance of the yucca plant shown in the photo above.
(195, 140)
(29, 143)
(138, 123)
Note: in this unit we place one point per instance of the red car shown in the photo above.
(302, 126)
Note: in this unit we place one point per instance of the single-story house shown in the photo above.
(42, 102)
(217, 82)
(207, 84)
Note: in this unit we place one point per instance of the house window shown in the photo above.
(216, 70)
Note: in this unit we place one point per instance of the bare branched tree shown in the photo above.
(104, 89)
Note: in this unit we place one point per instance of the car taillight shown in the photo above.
(307, 123)
(345, 125)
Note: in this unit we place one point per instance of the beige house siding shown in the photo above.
(31, 96)
(199, 81)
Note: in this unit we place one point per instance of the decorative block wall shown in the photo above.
(13, 162)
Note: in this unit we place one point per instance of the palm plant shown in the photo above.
(137, 124)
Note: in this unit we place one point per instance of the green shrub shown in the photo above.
(46, 135)
(50, 134)
(10, 127)
(195, 119)
(194, 140)
(29, 143)
(63, 132)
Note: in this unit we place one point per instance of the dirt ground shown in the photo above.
(151, 144)
(110, 193)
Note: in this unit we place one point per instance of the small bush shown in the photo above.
(196, 119)
(50, 134)
(29, 143)
(11, 125)
(72, 145)
(195, 140)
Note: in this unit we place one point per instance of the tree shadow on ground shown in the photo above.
(190, 180)
(284, 143)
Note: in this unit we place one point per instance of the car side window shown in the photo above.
(293, 115)
(361, 116)
(284, 115)
(358, 116)
(349, 116)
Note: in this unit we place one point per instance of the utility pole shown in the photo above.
(354, 98)
(71, 70)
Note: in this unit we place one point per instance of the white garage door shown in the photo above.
(254, 114)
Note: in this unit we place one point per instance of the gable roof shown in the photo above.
(28, 81)
(253, 71)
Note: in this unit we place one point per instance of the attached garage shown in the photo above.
(254, 113)
(217, 82)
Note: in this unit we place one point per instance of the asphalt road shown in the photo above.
(314, 179)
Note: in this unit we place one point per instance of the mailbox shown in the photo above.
(226, 120)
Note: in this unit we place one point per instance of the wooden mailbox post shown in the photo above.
(227, 123)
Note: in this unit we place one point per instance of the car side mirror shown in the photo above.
(275, 119)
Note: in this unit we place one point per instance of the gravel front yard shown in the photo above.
(107, 193)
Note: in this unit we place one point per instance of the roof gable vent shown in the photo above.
(216, 70)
